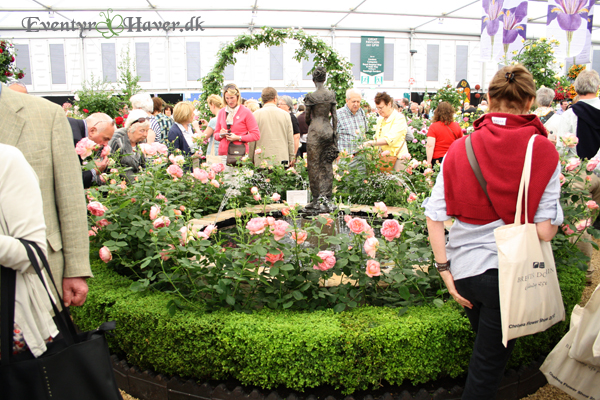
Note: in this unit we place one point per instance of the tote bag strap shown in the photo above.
(475, 167)
(7, 314)
(524, 184)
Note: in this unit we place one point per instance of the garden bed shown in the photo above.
(349, 351)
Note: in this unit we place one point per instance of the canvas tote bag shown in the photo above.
(530, 299)
(587, 335)
(581, 381)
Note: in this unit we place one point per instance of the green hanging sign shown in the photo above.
(371, 60)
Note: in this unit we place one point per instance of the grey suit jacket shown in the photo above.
(40, 130)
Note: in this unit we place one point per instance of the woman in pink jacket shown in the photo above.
(235, 123)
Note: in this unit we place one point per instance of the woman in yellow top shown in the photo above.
(390, 131)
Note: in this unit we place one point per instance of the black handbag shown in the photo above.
(235, 152)
(76, 366)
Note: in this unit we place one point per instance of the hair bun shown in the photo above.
(510, 76)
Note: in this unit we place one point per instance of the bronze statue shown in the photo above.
(321, 143)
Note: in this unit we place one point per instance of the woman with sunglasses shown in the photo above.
(235, 123)
(125, 144)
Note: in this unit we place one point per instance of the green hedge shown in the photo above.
(352, 350)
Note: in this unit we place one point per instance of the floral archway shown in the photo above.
(339, 74)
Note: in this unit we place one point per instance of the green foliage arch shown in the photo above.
(339, 74)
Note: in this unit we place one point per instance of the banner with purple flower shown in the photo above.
(570, 22)
(503, 25)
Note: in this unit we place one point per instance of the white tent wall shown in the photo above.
(168, 63)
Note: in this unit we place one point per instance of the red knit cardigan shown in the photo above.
(500, 143)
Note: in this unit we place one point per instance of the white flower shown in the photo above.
(542, 70)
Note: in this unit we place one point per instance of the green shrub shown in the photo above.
(353, 350)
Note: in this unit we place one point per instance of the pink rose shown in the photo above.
(257, 197)
(385, 153)
(466, 119)
(581, 225)
(179, 160)
(185, 235)
(273, 258)
(102, 222)
(254, 190)
(381, 209)
(428, 171)
(358, 225)
(412, 197)
(391, 229)
(300, 237)
(592, 164)
(256, 225)
(257, 151)
(327, 260)
(211, 175)
(415, 141)
(567, 229)
(175, 171)
(592, 205)
(270, 221)
(347, 218)
(105, 151)
(215, 183)
(217, 167)
(373, 268)
(275, 197)
(147, 149)
(160, 148)
(91, 233)
(161, 196)
(279, 229)
(161, 222)
(85, 147)
(123, 185)
(154, 211)
(572, 163)
(562, 179)
(105, 254)
(210, 229)
(96, 208)
(370, 246)
(164, 254)
(285, 212)
(200, 174)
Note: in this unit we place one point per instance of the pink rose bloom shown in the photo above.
(412, 197)
(85, 147)
(328, 260)
(300, 237)
(257, 151)
(91, 233)
(105, 151)
(347, 218)
(161, 196)
(154, 211)
(164, 254)
(160, 148)
(179, 160)
(285, 212)
(370, 246)
(562, 179)
(254, 190)
(592, 205)
(572, 164)
(570, 140)
(279, 229)
(96, 208)
(257, 197)
(123, 185)
(102, 222)
(257, 225)
(581, 225)
(200, 174)
(275, 197)
(218, 167)
(567, 229)
(592, 164)
(404, 156)
(147, 149)
(415, 141)
(358, 225)
(161, 222)
(373, 268)
(270, 221)
(215, 183)
(175, 171)
(381, 209)
(183, 240)
(428, 171)
(273, 258)
(210, 229)
(587, 178)
(385, 153)
(211, 175)
(391, 229)
(466, 119)
(105, 254)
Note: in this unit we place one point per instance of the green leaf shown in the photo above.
(404, 292)
(288, 304)
(287, 267)
(339, 307)
(354, 258)
(438, 303)
(137, 286)
(297, 295)
(230, 300)
(274, 271)
(261, 251)
(402, 311)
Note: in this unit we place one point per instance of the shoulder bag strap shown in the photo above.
(7, 313)
(451, 131)
(475, 167)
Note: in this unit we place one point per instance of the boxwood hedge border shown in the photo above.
(352, 350)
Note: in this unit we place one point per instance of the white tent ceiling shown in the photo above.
(457, 17)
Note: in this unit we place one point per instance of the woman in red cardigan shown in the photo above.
(235, 123)
(442, 133)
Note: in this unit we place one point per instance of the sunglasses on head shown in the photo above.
(140, 120)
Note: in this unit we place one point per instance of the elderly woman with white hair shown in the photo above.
(143, 101)
(287, 104)
(125, 145)
(545, 112)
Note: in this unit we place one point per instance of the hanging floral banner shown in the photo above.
(570, 21)
(503, 24)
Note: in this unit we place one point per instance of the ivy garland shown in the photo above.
(339, 74)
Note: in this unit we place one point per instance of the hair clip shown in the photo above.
(510, 76)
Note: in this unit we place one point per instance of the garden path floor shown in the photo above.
(547, 392)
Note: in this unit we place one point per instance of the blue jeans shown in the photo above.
(489, 357)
